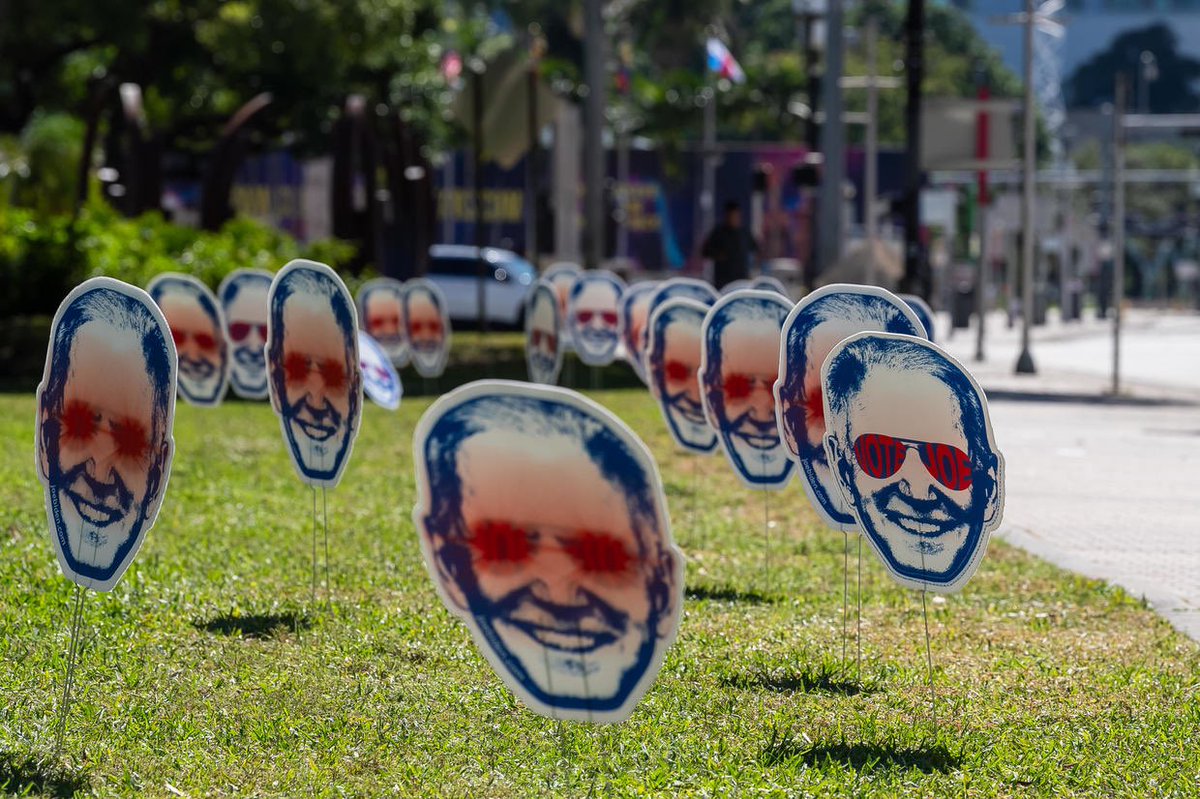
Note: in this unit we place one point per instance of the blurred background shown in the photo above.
(862, 141)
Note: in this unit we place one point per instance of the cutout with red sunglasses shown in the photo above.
(928, 517)
(243, 297)
(427, 325)
(198, 329)
(543, 356)
(595, 316)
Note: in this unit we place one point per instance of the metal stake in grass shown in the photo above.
(325, 520)
(929, 661)
(845, 595)
(313, 599)
(69, 682)
(858, 594)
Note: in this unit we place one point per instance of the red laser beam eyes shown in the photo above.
(501, 542)
(206, 342)
(881, 456)
(540, 337)
(498, 543)
(238, 331)
(678, 371)
(297, 366)
(737, 386)
(81, 422)
(608, 317)
(78, 421)
(379, 321)
(433, 327)
(598, 553)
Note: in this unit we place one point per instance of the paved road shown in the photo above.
(1109, 489)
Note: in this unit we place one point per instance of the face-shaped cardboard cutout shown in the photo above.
(922, 310)
(739, 364)
(543, 346)
(684, 288)
(913, 453)
(243, 296)
(673, 363)
(815, 325)
(769, 283)
(544, 526)
(594, 317)
(635, 313)
(380, 381)
(562, 277)
(198, 329)
(105, 421)
(381, 314)
(312, 364)
(428, 325)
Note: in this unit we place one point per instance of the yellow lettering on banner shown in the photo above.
(500, 206)
(641, 212)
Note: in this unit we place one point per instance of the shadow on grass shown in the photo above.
(256, 626)
(862, 757)
(22, 775)
(820, 679)
(727, 594)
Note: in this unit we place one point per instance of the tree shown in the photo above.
(1170, 92)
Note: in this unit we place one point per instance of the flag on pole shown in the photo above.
(722, 62)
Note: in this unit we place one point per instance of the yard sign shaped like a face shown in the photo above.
(105, 415)
(543, 346)
(380, 381)
(381, 314)
(635, 313)
(312, 363)
(914, 457)
(922, 310)
(562, 276)
(673, 363)
(428, 325)
(815, 325)
(198, 329)
(243, 295)
(594, 316)
(685, 288)
(544, 526)
(739, 363)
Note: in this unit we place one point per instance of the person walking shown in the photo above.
(730, 246)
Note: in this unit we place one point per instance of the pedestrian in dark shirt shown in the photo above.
(729, 245)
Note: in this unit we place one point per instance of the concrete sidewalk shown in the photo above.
(1106, 486)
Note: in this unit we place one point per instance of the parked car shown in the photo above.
(455, 269)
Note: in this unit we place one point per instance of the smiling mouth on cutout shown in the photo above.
(689, 410)
(574, 640)
(196, 369)
(756, 436)
(248, 356)
(934, 524)
(313, 423)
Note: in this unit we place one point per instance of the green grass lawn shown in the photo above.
(207, 671)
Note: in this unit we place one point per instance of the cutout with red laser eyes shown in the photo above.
(131, 438)
(737, 386)
(881, 456)
(598, 553)
(78, 421)
(678, 371)
(295, 367)
(500, 543)
(238, 331)
(205, 341)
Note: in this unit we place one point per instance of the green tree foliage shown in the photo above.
(1171, 92)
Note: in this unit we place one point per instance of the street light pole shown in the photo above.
(871, 178)
(593, 134)
(1025, 361)
(1118, 222)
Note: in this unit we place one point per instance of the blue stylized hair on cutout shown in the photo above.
(233, 287)
(616, 461)
(655, 350)
(127, 314)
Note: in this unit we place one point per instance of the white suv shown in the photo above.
(455, 269)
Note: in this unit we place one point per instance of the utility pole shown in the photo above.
(1025, 364)
(914, 56)
(829, 207)
(593, 133)
(1118, 229)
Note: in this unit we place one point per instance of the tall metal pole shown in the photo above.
(1028, 235)
(833, 140)
(593, 134)
(1118, 224)
(708, 174)
(531, 165)
(871, 178)
(982, 151)
(477, 176)
(914, 255)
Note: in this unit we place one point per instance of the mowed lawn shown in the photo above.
(208, 670)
